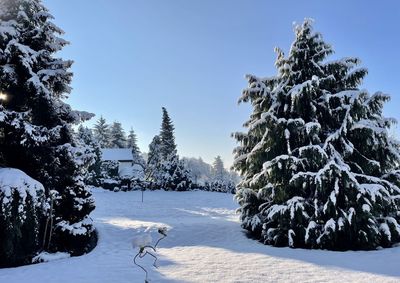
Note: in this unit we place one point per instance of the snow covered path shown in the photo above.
(205, 244)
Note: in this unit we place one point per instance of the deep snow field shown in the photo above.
(205, 243)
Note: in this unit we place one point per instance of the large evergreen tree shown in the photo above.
(168, 146)
(131, 141)
(101, 131)
(174, 175)
(319, 168)
(35, 123)
(117, 136)
(218, 169)
(164, 169)
(154, 160)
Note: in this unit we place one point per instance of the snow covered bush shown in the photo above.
(23, 206)
(109, 175)
(318, 165)
(221, 186)
(174, 175)
(47, 257)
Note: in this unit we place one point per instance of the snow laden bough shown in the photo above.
(319, 167)
(22, 207)
(36, 124)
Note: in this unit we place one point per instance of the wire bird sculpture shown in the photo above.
(148, 250)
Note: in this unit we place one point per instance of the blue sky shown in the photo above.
(133, 57)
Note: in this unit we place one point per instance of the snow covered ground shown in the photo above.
(205, 244)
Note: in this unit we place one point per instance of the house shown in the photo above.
(124, 158)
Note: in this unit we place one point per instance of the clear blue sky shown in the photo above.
(133, 57)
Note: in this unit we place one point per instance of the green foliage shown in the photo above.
(101, 131)
(117, 136)
(167, 138)
(36, 123)
(164, 169)
(91, 155)
(21, 215)
(317, 156)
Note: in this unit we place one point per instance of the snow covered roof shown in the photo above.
(117, 154)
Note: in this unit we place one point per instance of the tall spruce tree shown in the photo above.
(218, 169)
(35, 123)
(101, 131)
(174, 175)
(221, 180)
(164, 168)
(319, 168)
(137, 158)
(154, 160)
(117, 136)
(131, 141)
(168, 146)
(92, 151)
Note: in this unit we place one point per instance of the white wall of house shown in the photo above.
(124, 158)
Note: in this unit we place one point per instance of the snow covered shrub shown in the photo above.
(78, 237)
(109, 170)
(222, 186)
(139, 184)
(318, 165)
(47, 257)
(110, 184)
(109, 175)
(23, 206)
(174, 176)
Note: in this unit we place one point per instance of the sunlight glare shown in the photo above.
(3, 96)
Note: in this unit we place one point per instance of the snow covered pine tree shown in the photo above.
(91, 151)
(117, 136)
(319, 168)
(35, 123)
(137, 158)
(164, 169)
(174, 175)
(154, 159)
(221, 180)
(101, 131)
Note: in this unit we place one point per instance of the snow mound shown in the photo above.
(47, 257)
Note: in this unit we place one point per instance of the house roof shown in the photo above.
(116, 154)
